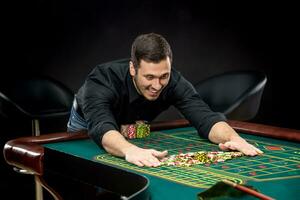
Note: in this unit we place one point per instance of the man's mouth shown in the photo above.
(154, 92)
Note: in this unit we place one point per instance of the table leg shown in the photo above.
(38, 189)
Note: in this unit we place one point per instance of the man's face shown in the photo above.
(151, 78)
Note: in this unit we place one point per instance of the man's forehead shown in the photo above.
(156, 62)
(162, 67)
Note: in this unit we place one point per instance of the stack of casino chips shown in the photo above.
(131, 131)
(200, 157)
(142, 129)
(138, 130)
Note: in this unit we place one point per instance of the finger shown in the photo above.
(231, 145)
(259, 151)
(252, 151)
(249, 152)
(147, 163)
(223, 147)
(227, 146)
(155, 162)
(159, 154)
(138, 163)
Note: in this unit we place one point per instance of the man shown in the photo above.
(122, 92)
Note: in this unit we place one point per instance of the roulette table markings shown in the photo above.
(203, 176)
(263, 167)
(194, 179)
(274, 148)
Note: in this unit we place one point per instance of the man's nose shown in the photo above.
(156, 84)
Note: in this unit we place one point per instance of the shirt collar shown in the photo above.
(132, 92)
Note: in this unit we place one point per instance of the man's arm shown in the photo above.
(199, 114)
(114, 143)
(222, 134)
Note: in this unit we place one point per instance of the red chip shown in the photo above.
(131, 133)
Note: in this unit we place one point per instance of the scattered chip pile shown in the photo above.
(200, 157)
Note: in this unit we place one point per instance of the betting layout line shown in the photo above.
(265, 160)
(245, 174)
(194, 135)
(203, 174)
(167, 137)
(260, 174)
(200, 144)
(208, 176)
(288, 154)
(286, 150)
(200, 179)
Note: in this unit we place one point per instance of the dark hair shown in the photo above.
(150, 47)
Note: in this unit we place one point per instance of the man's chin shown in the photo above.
(151, 98)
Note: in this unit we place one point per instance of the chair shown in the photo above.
(237, 94)
(35, 99)
(32, 100)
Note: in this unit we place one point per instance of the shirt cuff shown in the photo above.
(97, 133)
(205, 128)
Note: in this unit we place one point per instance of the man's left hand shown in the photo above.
(240, 145)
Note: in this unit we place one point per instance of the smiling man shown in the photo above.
(151, 78)
(118, 95)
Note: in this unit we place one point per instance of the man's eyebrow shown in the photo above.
(167, 73)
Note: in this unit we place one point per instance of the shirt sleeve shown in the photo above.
(96, 103)
(195, 110)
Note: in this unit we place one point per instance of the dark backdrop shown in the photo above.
(66, 39)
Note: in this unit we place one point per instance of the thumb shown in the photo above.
(223, 147)
(160, 154)
(229, 146)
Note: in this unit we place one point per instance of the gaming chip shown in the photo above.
(200, 157)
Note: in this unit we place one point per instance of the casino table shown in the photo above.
(58, 159)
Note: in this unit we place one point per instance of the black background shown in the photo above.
(66, 39)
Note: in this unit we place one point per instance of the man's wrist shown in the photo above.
(114, 143)
(126, 150)
(236, 138)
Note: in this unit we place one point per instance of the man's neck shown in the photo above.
(137, 89)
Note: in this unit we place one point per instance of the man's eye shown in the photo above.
(165, 76)
(149, 77)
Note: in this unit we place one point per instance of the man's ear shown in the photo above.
(131, 69)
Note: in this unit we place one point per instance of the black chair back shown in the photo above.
(38, 97)
(237, 94)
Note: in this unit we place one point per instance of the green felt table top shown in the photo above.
(276, 173)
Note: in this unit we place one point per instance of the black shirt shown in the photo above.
(108, 98)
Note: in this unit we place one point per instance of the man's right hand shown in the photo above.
(144, 157)
(114, 143)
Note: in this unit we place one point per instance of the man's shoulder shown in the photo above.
(115, 63)
(112, 74)
(175, 76)
(178, 82)
(175, 72)
(115, 69)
